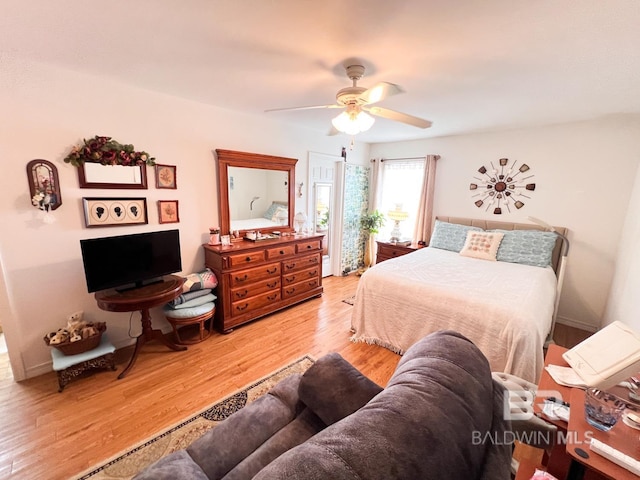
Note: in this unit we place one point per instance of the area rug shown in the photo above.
(128, 463)
(351, 300)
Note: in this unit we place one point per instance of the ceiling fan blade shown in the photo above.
(379, 92)
(399, 117)
(311, 107)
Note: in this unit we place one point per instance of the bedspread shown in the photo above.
(504, 308)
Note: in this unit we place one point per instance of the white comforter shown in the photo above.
(504, 308)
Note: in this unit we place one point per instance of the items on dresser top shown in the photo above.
(258, 278)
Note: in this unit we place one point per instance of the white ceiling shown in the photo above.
(465, 65)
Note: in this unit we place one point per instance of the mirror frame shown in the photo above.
(232, 158)
(84, 183)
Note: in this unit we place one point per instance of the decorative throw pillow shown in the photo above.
(272, 210)
(280, 213)
(482, 245)
(528, 247)
(450, 236)
(199, 280)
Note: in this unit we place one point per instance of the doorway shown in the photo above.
(325, 206)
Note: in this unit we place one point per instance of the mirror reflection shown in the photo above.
(258, 198)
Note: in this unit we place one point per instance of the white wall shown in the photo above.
(624, 302)
(584, 175)
(45, 111)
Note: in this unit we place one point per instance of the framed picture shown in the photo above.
(110, 212)
(166, 176)
(168, 211)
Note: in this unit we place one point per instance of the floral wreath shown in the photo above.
(106, 151)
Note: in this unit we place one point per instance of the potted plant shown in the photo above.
(370, 224)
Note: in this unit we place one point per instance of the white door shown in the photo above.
(326, 206)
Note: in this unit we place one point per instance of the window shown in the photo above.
(400, 188)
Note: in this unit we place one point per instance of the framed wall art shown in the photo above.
(111, 212)
(505, 186)
(168, 211)
(166, 176)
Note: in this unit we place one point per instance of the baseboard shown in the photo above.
(577, 324)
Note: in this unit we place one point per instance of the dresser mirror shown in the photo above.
(255, 192)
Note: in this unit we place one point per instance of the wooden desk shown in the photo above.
(563, 457)
(143, 299)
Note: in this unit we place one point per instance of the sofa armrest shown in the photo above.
(333, 388)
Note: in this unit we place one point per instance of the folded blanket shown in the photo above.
(185, 297)
(195, 302)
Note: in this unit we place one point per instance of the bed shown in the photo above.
(277, 215)
(505, 308)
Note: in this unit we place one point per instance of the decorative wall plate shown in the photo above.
(502, 187)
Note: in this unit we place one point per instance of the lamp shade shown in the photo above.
(397, 215)
(353, 121)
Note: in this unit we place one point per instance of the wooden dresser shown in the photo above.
(258, 278)
(391, 250)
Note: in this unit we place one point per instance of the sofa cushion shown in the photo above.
(333, 388)
(222, 448)
(178, 464)
(421, 426)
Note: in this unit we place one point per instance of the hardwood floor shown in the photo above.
(51, 435)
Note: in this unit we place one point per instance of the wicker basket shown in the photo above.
(81, 346)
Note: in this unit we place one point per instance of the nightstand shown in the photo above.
(388, 250)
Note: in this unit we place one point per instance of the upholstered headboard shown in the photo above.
(492, 225)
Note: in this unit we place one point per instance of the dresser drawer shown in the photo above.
(300, 287)
(309, 246)
(244, 259)
(244, 306)
(300, 263)
(250, 275)
(279, 252)
(255, 288)
(300, 275)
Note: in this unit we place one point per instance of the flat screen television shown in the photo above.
(130, 261)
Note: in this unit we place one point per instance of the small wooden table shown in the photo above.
(576, 432)
(387, 250)
(143, 299)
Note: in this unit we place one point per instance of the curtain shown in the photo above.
(375, 184)
(424, 220)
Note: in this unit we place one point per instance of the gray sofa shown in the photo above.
(436, 419)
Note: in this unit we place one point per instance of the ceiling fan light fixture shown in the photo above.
(353, 121)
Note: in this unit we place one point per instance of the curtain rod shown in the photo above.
(402, 158)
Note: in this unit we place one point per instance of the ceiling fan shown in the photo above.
(357, 103)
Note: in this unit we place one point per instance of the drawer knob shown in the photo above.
(313, 274)
(272, 271)
(272, 297)
(242, 294)
(271, 285)
(238, 279)
(289, 292)
(309, 246)
(242, 307)
(281, 252)
(290, 266)
(248, 259)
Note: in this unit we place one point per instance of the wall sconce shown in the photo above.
(299, 187)
(44, 188)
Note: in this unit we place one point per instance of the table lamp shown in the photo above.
(397, 216)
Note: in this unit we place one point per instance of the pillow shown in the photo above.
(199, 280)
(280, 211)
(195, 302)
(272, 210)
(185, 297)
(528, 247)
(482, 245)
(450, 236)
